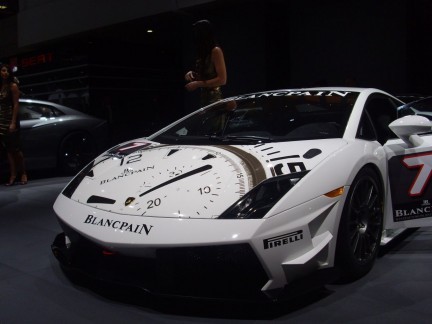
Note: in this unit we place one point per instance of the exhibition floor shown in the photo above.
(33, 289)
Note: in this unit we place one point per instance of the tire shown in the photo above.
(75, 151)
(360, 227)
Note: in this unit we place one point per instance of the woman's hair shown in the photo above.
(11, 77)
(205, 39)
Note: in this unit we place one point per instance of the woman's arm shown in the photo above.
(221, 74)
(218, 60)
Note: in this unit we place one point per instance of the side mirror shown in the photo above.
(407, 128)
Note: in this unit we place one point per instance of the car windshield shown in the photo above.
(265, 117)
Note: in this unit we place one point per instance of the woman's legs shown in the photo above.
(19, 160)
(12, 169)
(15, 157)
(16, 163)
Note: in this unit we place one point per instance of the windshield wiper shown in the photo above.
(241, 138)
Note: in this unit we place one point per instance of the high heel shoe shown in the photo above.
(24, 179)
(11, 181)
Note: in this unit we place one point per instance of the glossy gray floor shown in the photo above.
(34, 290)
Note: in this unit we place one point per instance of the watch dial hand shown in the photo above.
(184, 175)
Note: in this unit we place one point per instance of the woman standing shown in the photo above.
(210, 72)
(10, 124)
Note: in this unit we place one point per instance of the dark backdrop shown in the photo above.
(135, 79)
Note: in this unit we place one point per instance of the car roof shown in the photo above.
(64, 109)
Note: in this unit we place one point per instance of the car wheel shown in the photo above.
(360, 227)
(75, 151)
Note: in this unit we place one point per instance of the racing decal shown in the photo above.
(283, 239)
(423, 163)
(118, 225)
(257, 173)
(286, 165)
(410, 177)
(125, 149)
(288, 93)
(312, 153)
(125, 173)
(292, 167)
(100, 200)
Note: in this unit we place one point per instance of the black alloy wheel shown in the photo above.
(75, 151)
(360, 227)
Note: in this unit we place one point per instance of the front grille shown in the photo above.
(210, 270)
(220, 271)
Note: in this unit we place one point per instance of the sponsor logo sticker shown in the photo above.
(410, 184)
(118, 225)
(284, 239)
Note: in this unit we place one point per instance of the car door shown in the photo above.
(38, 131)
(409, 198)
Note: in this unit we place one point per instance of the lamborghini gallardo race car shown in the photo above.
(247, 196)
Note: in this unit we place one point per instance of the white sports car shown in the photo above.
(247, 196)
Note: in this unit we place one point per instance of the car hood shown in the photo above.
(144, 178)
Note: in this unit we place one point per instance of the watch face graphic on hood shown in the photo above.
(185, 181)
(171, 181)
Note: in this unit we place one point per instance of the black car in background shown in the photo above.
(58, 137)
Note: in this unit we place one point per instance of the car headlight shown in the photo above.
(257, 202)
